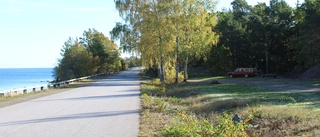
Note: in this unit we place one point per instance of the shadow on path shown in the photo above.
(92, 97)
(72, 117)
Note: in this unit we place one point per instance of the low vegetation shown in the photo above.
(199, 108)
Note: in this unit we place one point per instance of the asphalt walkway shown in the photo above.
(106, 108)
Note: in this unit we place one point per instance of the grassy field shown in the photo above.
(199, 108)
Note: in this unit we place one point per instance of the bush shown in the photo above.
(171, 76)
(152, 72)
(190, 125)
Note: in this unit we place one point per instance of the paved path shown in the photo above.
(107, 108)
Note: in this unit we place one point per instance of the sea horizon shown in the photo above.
(16, 78)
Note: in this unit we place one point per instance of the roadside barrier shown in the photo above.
(15, 92)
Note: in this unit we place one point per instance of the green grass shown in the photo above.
(174, 110)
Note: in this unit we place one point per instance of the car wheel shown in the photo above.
(246, 75)
(230, 76)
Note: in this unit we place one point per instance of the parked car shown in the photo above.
(242, 72)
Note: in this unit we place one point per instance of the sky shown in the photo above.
(32, 32)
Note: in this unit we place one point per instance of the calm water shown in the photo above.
(24, 77)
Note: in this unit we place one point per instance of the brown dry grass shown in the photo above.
(271, 113)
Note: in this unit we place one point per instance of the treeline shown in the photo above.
(166, 33)
(91, 54)
(275, 38)
(170, 34)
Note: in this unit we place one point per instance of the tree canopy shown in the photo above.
(166, 32)
(275, 38)
(93, 53)
(168, 35)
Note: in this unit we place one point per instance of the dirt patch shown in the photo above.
(312, 73)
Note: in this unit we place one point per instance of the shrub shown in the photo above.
(171, 76)
(152, 72)
(190, 125)
(228, 128)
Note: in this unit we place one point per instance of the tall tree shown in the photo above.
(169, 31)
(100, 46)
(126, 35)
(94, 53)
(307, 40)
(280, 30)
(148, 19)
(198, 36)
(76, 61)
(249, 33)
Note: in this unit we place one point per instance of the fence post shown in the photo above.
(24, 91)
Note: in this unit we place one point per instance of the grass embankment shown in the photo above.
(204, 109)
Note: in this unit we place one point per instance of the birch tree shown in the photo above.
(167, 31)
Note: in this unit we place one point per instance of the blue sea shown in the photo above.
(16, 78)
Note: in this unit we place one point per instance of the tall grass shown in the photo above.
(203, 109)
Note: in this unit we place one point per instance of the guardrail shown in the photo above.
(15, 92)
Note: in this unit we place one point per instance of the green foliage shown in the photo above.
(171, 77)
(76, 62)
(151, 71)
(94, 53)
(228, 128)
(101, 47)
(133, 61)
(166, 33)
(307, 34)
(190, 125)
(251, 35)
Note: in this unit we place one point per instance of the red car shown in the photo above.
(242, 72)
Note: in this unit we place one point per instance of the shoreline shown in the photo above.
(12, 100)
(18, 78)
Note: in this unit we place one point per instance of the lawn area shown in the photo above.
(200, 108)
